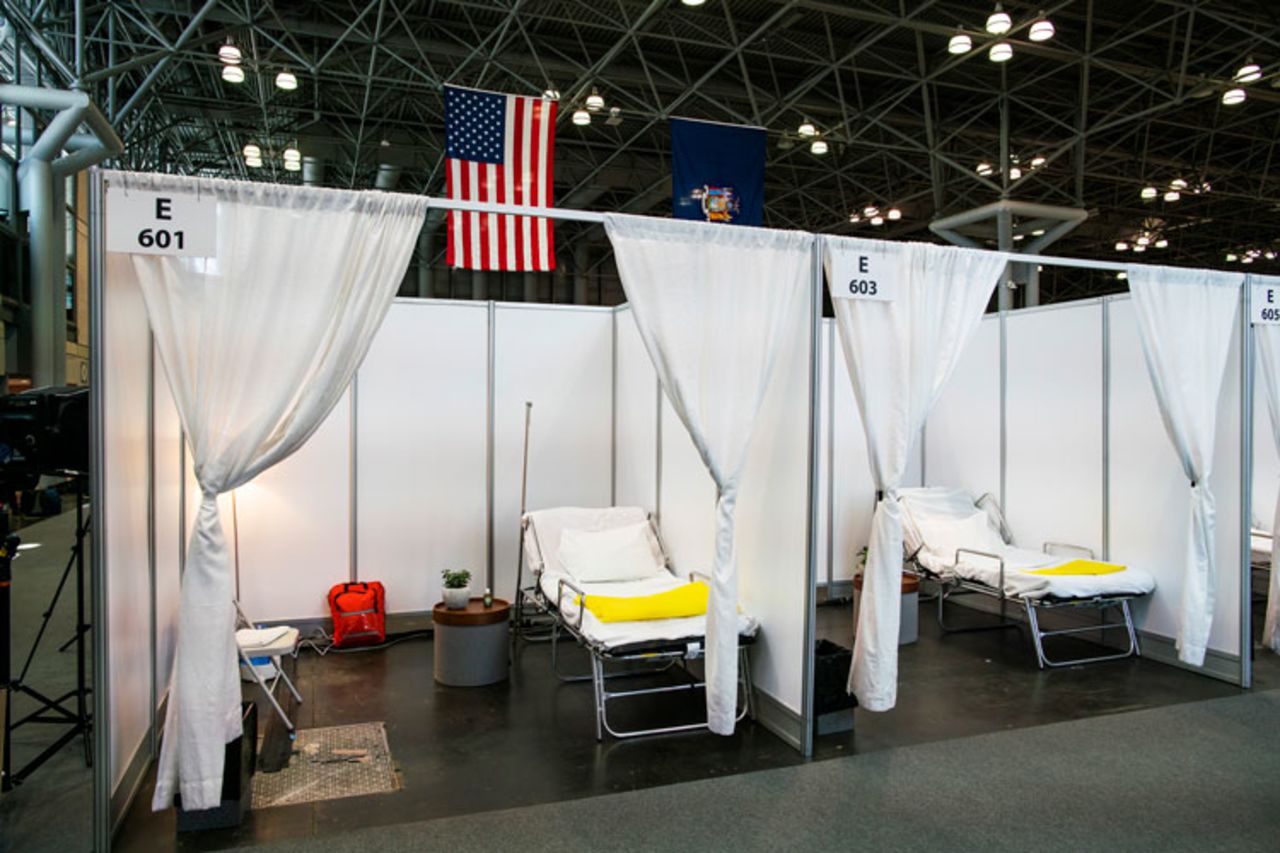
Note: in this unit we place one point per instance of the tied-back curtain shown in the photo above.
(1268, 337)
(258, 343)
(900, 353)
(1185, 321)
(712, 305)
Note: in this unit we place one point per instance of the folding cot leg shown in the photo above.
(597, 679)
(1036, 637)
(744, 676)
(271, 697)
(1134, 648)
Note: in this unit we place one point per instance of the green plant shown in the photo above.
(862, 558)
(456, 578)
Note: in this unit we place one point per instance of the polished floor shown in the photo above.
(530, 741)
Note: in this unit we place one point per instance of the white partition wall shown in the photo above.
(1054, 428)
(962, 435)
(1149, 494)
(636, 392)
(561, 360)
(122, 532)
(421, 497)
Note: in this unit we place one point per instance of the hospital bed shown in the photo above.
(965, 546)
(639, 647)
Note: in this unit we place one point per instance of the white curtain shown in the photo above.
(1185, 321)
(900, 354)
(712, 303)
(258, 343)
(1268, 337)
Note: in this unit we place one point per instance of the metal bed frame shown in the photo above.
(651, 658)
(950, 587)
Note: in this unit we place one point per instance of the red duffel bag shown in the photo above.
(359, 612)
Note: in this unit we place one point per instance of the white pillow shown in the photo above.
(945, 536)
(615, 554)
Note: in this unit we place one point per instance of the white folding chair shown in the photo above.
(251, 644)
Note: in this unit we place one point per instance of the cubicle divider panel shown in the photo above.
(124, 369)
(772, 520)
(169, 540)
(1054, 428)
(635, 415)
(1150, 495)
(962, 435)
(289, 528)
(421, 500)
(560, 359)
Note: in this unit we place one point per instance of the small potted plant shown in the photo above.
(457, 588)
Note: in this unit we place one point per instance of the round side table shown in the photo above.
(471, 645)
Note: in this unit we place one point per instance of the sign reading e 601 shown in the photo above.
(158, 223)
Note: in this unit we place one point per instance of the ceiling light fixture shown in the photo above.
(870, 211)
(1142, 240)
(1172, 195)
(1139, 248)
(1037, 161)
(1122, 275)
(1247, 259)
(999, 22)
(855, 218)
(1150, 192)
(292, 155)
(1001, 51)
(551, 94)
(233, 73)
(1015, 172)
(894, 214)
(693, 2)
(984, 169)
(595, 101)
(877, 220)
(1232, 257)
(1039, 232)
(292, 165)
(807, 130)
(960, 43)
(1177, 184)
(1250, 72)
(1122, 246)
(1162, 243)
(818, 146)
(229, 53)
(1231, 97)
(1042, 29)
(581, 117)
(253, 162)
(286, 80)
(252, 150)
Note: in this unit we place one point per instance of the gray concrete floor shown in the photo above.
(52, 809)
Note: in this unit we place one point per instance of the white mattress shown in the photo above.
(1018, 581)
(617, 634)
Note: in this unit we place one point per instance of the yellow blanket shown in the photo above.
(687, 600)
(1080, 567)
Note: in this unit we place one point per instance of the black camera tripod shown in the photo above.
(71, 709)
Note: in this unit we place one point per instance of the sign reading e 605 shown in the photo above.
(1265, 302)
(157, 223)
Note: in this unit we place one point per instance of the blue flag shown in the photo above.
(717, 172)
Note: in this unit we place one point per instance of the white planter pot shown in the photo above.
(456, 599)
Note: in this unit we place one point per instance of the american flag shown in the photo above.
(498, 148)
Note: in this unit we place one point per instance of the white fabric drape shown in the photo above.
(1185, 321)
(258, 344)
(712, 303)
(900, 354)
(1268, 337)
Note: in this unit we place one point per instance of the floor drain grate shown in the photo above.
(329, 764)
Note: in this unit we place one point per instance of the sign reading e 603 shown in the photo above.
(158, 223)
(869, 276)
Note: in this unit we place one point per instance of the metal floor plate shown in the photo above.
(329, 764)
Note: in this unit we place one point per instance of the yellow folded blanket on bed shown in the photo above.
(687, 600)
(1080, 567)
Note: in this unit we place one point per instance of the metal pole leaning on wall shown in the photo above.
(97, 410)
(1246, 482)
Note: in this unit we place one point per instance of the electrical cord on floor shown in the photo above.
(321, 642)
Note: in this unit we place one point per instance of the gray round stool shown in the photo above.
(471, 645)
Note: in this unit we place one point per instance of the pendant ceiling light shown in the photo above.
(1231, 97)
(877, 220)
(595, 101)
(1162, 243)
(292, 165)
(292, 155)
(233, 73)
(287, 81)
(984, 169)
(807, 130)
(999, 22)
(551, 94)
(1178, 184)
(693, 2)
(1037, 161)
(1001, 51)
(252, 150)
(1249, 73)
(1015, 173)
(1172, 195)
(229, 54)
(818, 146)
(960, 43)
(253, 162)
(581, 117)
(1041, 29)
(1122, 246)
(870, 210)
(894, 214)
(1149, 193)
